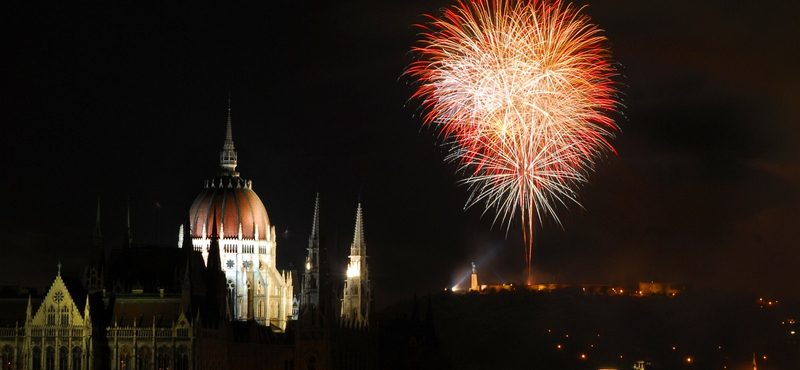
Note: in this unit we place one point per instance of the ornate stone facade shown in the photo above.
(57, 336)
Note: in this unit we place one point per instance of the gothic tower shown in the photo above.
(313, 338)
(309, 296)
(357, 296)
(247, 242)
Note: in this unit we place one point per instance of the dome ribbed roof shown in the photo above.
(234, 204)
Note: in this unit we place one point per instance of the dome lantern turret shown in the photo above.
(228, 156)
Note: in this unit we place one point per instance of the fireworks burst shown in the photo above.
(521, 91)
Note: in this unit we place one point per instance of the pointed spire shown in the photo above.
(228, 156)
(128, 236)
(86, 310)
(315, 280)
(28, 311)
(315, 224)
(214, 262)
(358, 238)
(229, 132)
(214, 234)
(357, 296)
(97, 257)
(97, 235)
(186, 289)
(187, 238)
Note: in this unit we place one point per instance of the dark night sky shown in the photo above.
(127, 99)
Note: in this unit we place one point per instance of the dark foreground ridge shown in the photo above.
(567, 329)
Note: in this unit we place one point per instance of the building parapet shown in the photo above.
(136, 332)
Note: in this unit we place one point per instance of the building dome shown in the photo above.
(235, 203)
(232, 199)
(230, 229)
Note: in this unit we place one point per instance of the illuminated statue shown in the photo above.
(473, 283)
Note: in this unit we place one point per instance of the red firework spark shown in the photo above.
(522, 92)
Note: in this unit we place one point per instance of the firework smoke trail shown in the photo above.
(521, 91)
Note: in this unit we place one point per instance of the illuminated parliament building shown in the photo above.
(215, 301)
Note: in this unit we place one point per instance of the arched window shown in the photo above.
(8, 357)
(63, 358)
(182, 359)
(50, 358)
(260, 309)
(37, 358)
(162, 363)
(65, 316)
(51, 316)
(145, 358)
(124, 358)
(77, 354)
